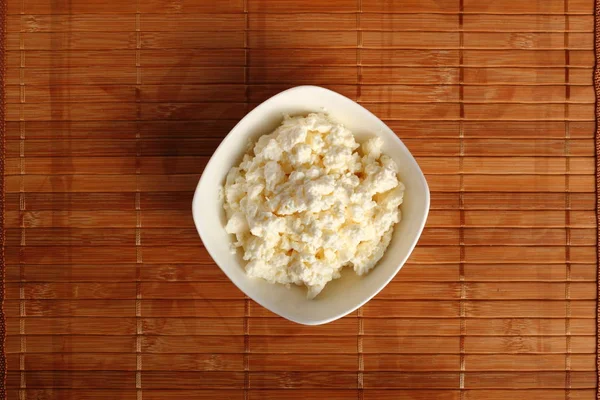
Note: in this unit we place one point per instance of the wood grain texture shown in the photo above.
(112, 113)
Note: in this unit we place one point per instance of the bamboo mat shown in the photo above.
(113, 109)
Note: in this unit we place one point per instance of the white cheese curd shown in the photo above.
(308, 200)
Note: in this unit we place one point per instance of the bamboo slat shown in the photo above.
(113, 111)
(275, 394)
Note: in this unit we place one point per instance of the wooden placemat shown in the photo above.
(113, 109)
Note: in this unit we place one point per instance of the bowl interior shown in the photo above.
(340, 296)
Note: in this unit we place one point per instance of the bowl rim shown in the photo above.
(202, 232)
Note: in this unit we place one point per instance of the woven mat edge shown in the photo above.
(2, 132)
(597, 146)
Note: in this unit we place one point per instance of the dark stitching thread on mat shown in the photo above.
(361, 361)
(246, 299)
(22, 208)
(2, 103)
(567, 210)
(359, 46)
(360, 379)
(461, 206)
(138, 210)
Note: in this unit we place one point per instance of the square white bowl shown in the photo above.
(342, 296)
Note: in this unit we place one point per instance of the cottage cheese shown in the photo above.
(308, 200)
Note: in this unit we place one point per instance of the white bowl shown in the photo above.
(341, 296)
